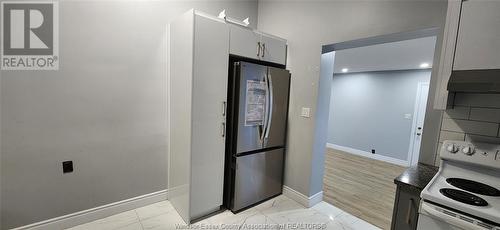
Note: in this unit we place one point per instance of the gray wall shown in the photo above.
(105, 109)
(472, 117)
(307, 25)
(367, 110)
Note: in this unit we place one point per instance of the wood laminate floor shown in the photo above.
(361, 186)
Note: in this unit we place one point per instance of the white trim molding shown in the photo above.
(301, 198)
(96, 213)
(369, 155)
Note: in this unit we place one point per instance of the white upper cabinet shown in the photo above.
(478, 42)
(471, 41)
(244, 42)
(251, 44)
(273, 49)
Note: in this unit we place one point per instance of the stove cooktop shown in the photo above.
(468, 180)
(464, 197)
(489, 209)
(473, 186)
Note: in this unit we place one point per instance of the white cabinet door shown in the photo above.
(210, 71)
(244, 42)
(274, 49)
(478, 43)
(247, 43)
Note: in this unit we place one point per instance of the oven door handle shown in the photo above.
(430, 211)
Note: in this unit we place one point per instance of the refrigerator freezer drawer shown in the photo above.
(257, 177)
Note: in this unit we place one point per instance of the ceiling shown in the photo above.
(402, 55)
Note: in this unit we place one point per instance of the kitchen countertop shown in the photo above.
(416, 177)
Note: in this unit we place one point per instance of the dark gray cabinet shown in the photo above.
(406, 204)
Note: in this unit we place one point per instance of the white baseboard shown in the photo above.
(369, 155)
(301, 198)
(177, 191)
(96, 213)
(316, 198)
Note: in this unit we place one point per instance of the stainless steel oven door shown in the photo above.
(438, 218)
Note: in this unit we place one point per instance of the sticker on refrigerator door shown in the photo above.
(255, 103)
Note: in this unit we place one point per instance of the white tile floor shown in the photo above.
(272, 214)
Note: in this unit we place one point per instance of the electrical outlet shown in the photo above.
(67, 166)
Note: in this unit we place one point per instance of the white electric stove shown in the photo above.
(465, 193)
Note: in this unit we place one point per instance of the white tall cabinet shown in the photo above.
(199, 49)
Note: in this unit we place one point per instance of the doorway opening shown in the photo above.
(375, 104)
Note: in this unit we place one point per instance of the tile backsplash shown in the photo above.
(471, 117)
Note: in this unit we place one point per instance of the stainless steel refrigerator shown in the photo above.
(256, 133)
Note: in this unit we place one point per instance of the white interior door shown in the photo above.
(418, 122)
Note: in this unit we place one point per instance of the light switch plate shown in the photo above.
(306, 112)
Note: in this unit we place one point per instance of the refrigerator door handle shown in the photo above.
(270, 110)
(266, 112)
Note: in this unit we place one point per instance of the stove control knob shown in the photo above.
(452, 148)
(468, 150)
